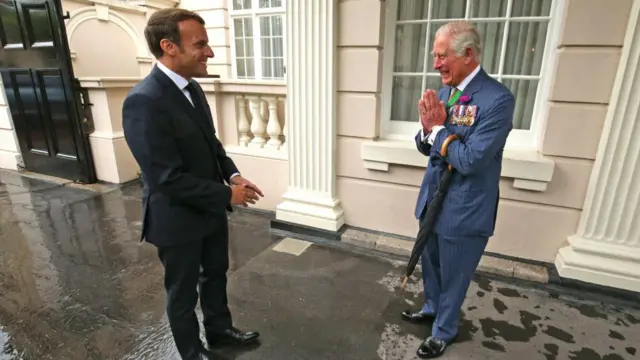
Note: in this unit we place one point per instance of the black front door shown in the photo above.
(41, 93)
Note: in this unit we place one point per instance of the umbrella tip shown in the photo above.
(404, 282)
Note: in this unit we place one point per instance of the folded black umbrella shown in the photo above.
(433, 211)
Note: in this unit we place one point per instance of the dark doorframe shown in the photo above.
(48, 107)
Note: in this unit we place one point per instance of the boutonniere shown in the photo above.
(464, 99)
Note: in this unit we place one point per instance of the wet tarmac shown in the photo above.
(76, 284)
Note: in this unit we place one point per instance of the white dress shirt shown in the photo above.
(431, 137)
(181, 83)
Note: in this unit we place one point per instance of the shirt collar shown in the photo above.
(463, 84)
(177, 79)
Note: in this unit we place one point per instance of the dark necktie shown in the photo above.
(200, 109)
(195, 97)
(197, 103)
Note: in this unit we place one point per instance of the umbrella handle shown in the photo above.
(445, 146)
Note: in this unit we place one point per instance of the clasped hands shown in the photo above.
(244, 192)
(432, 112)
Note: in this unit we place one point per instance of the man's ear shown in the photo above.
(168, 47)
(469, 54)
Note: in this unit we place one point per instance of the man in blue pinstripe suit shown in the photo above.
(479, 110)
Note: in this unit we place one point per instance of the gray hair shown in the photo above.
(463, 35)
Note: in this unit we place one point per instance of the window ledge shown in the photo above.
(529, 169)
(275, 87)
(266, 152)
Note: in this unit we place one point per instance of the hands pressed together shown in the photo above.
(244, 192)
(432, 112)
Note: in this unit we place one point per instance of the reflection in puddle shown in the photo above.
(7, 352)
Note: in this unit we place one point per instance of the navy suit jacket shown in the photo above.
(183, 164)
(470, 206)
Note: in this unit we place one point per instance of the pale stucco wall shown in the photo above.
(530, 224)
(107, 39)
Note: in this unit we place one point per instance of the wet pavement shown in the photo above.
(75, 284)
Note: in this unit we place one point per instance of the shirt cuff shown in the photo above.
(423, 137)
(234, 175)
(434, 132)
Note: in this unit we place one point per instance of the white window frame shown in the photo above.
(255, 13)
(518, 138)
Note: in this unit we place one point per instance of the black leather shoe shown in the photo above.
(232, 336)
(432, 347)
(417, 317)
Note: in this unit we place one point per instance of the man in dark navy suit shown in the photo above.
(479, 111)
(185, 170)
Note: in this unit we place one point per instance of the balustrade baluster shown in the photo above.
(273, 125)
(257, 122)
(243, 122)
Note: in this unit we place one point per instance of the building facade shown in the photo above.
(316, 102)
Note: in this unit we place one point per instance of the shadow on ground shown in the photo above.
(76, 283)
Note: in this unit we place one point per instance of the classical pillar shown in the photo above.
(606, 248)
(311, 116)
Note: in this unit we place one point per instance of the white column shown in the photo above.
(606, 248)
(311, 116)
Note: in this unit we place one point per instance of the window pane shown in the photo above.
(278, 68)
(433, 82)
(409, 48)
(241, 4)
(248, 47)
(248, 27)
(270, 3)
(448, 9)
(266, 47)
(531, 8)
(265, 25)
(406, 93)
(276, 25)
(251, 73)
(239, 48)
(413, 9)
(278, 47)
(267, 68)
(525, 94)
(491, 35)
(489, 8)
(525, 48)
(237, 27)
(240, 68)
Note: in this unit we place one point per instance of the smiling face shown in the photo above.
(452, 67)
(190, 58)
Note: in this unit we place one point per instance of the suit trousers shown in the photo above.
(201, 265)
(448, 264)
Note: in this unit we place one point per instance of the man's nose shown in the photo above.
(209, 52)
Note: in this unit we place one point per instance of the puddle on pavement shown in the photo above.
(7, 352)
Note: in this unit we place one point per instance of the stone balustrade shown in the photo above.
(249, 116)
(259, 124)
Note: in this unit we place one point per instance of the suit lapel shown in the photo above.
(176, 94)
(476, 83)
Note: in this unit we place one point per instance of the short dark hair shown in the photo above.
(163, 24)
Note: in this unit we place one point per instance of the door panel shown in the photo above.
(38, 78)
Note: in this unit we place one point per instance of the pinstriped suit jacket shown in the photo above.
(470, 206)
